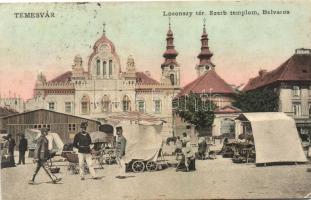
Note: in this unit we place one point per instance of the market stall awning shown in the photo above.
(275, 136)
(142, 132)
(136, 117)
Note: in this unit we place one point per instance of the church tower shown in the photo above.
(170, 68)
(205, 55)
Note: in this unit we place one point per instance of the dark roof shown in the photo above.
(210, 81)
(4, 111)
(16, 114)
(65, 77)
(142, 78)
(296, 68)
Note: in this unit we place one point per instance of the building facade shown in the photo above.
(292, 82)
(103, 87)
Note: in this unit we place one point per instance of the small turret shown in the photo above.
(130, 65)
(130, 68)
(77, 61)
(41, 78)
(77, 68)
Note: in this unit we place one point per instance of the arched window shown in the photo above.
(104, 68)
(98, 67)
(110, 67)
(85, 105)
(172, 78)
(126, 103)
(105, 103)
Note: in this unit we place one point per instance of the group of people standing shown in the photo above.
(83, 143)
(22, 147)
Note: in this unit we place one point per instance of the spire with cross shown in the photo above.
(104, 28)
(204, 23)
(169, 23)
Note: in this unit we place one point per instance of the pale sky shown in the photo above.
(242, 45)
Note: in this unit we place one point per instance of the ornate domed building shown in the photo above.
(101, 88)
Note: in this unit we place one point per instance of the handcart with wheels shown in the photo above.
(151, 165)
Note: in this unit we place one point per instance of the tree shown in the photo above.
(265, 100)
(195, 109)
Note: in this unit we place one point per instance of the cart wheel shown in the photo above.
(151, 166)
(138, 166)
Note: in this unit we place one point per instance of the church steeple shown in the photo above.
(170, 68)
(205, 55)
(170, 54)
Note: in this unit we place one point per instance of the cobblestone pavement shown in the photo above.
(218, 178)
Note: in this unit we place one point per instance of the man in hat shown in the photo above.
(120, 152)
(22, 147)
(82, 142)
(41, 156)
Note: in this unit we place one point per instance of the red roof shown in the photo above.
(208, 82)
(296, 68)
(142, 78)
(65, 77)
(227, 109)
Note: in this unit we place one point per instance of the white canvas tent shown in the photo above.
(142, 132)
(275, 136)
(55, 142)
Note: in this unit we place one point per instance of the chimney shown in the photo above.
(262, 73)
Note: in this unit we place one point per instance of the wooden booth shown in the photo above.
(65, 125)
